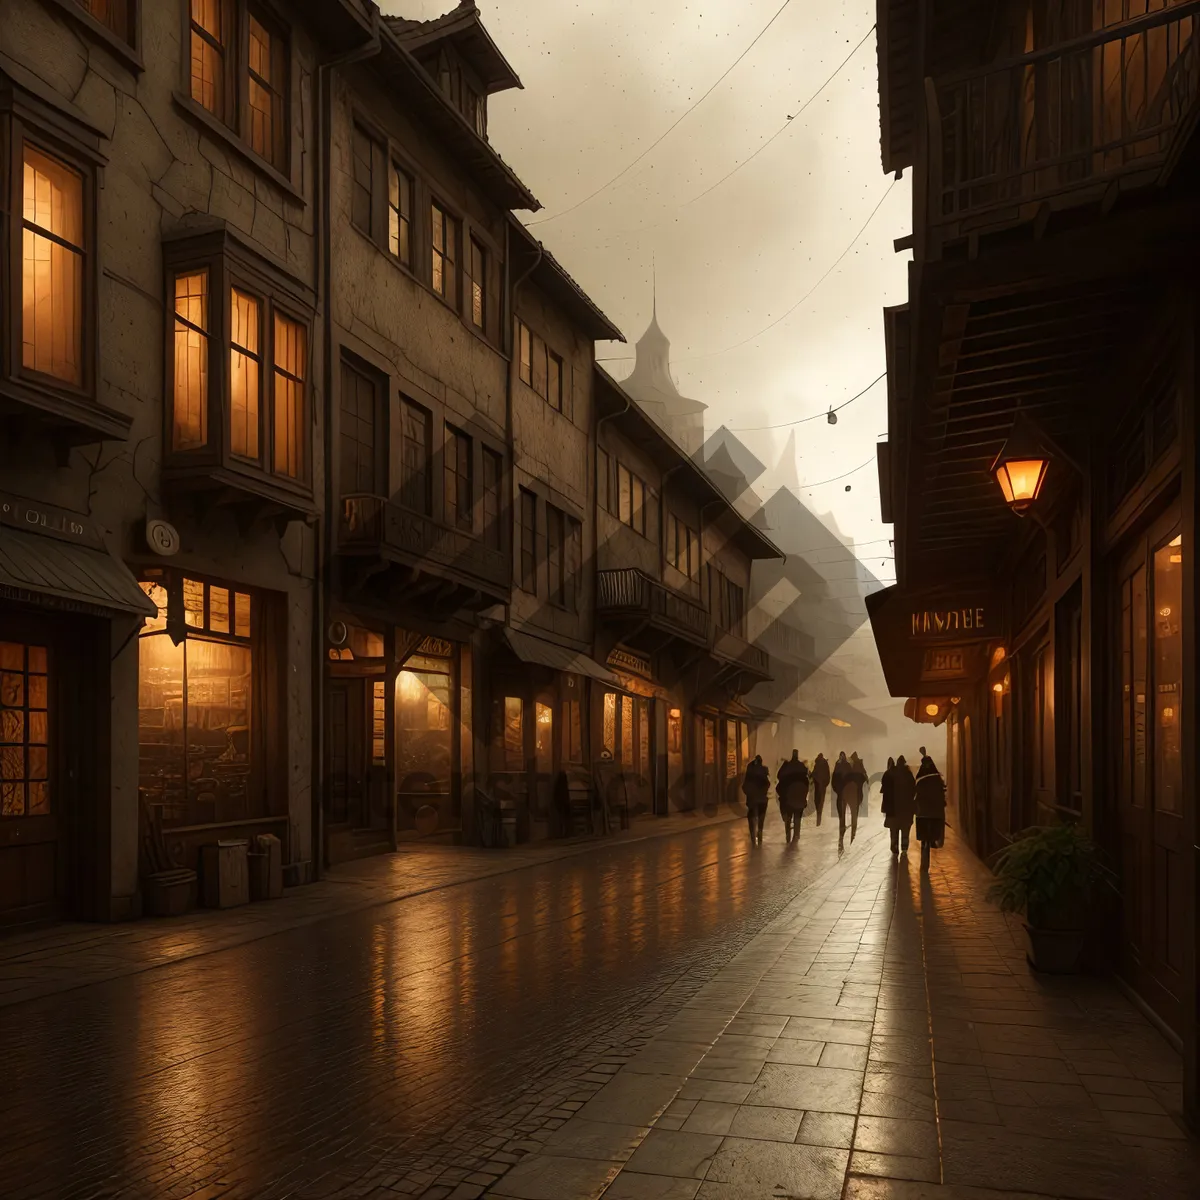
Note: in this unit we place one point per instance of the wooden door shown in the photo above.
(348, 783)
(1149, 766)
(32, 785)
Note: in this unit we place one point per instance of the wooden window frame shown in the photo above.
(493, 522)
(378, 382)
(127, 50)
(452, 237)
(527, 573)
(604, 479)
(360, 133)
(524, 360)
(555, 368)
(476, 284)
(458, 515)
(397, 170)
(15, 132)
(279, 90)
(556, 556)
(233, 126)
(409, 407)
(231, 266)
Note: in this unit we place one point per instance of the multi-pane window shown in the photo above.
(190, 423)
(631, 499)
(555, 555)
(52, 268)
(242, 78)
(458, 479)
(683, 548)
(400, 202)
(728, 603)
(267, 72)
(477, 269)
(554, 377)
(287, 397)
(443, 248)
(245, 375)
(262, 401)
(564, 543)
(493, 477)
(362, 168)
(415, 452)
(525, 340)
(528, 569)
(360, 432)
(210, 21)
(24, 730)
(114, 15)
(378, 722)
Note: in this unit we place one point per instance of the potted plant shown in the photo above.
(1048, 873)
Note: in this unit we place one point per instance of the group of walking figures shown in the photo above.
(906, 799)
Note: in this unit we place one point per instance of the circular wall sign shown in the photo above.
(338, 633)
(162, 538)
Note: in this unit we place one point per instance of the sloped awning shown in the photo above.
(78, 578)
(537, 651)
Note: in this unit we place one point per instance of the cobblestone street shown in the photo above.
(680, 1016)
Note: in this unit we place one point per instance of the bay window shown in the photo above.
(238, 367)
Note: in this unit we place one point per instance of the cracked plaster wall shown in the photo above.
(165, 172)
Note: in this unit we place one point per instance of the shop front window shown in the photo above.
(544, 738)
(423, 726)
(610, 725)
(24, 730)
(1168, 677)
(643, 733)
(378, 722)
(627, 731)
(731, 750)
(195, 700)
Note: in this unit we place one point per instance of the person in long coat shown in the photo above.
(820, 782)
(792, 788)
(864, 785)
(930, 808)
(847, 793)
(901, 803)
(757, 788)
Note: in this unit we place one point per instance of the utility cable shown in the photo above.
(805, 486)
(815, 416)
(670, 129)
(784, 127)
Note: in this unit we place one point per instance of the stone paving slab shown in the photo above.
(44, 960)
(885, 1039)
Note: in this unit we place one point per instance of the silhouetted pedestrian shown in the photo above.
(900, 789)
(757, 789)
(847, 793)
(930, 808)
(820, 782)
(792, 788)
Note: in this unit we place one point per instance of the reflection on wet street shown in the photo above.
(301, 1063)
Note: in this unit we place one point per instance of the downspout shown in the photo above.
(323, 220)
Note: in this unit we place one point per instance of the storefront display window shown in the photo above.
(24, 730)
(379, 722)
(544, 738)
(627, 731)
(675, 731)
(731, 749)
(195, 700)
(610, 725)
(423, 725)
(1168, 677)
(643, 736)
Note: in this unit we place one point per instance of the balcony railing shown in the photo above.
(733, 648)
(632, 591)
(375, 524)
(1063, 124)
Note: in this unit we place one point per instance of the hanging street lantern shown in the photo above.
(1020, 467)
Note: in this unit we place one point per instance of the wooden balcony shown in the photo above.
(750, 660)
(1068, 125)
(403, 556)
(631, 595)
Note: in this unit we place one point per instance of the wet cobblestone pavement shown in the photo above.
(680, 1018)
(421, 1049)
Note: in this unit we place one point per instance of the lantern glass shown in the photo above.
(1021, 480)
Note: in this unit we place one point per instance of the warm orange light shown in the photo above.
(931, 710)
(998, 688)
(840, 724)
(998, 656)
(1021, 481)
(955, 699)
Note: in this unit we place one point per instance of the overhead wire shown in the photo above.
(815, 416)
(836, 478)
(671, 128)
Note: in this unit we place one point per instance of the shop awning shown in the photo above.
(538, 652)
(69, 576)
(934, 640)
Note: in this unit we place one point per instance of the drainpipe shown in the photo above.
(323, 234)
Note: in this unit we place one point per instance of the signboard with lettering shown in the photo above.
(623, 660)
(943, 664)
(35, 517)
(949, 622)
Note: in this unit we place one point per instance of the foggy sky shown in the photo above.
(603, 79)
